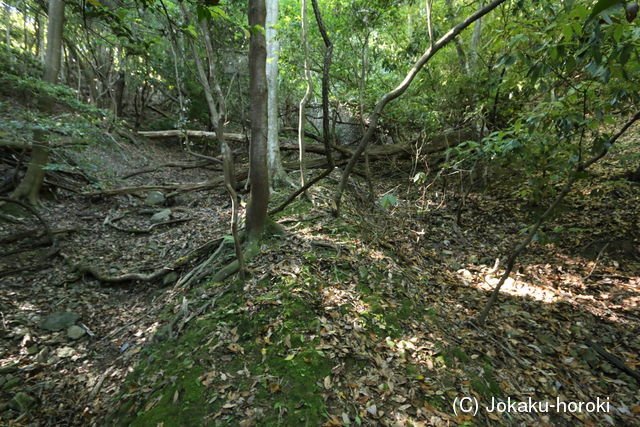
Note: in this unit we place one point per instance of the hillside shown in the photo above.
(337, 213)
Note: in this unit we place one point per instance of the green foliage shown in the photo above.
(388, 200)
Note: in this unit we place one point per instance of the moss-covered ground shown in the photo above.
(328, 333)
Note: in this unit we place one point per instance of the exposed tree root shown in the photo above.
(176, 188)
(206, 185)
(111, 222)
(141, 277)
(36, 267)
(181, 165)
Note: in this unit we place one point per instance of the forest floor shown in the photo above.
(365, 319)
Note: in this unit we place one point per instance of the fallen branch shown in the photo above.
(203, 156)
(181, 165)
(401, 88)
(174, 133)
(108, 221)
(615, 361)
(141, 277)
(35, 213)
(206, 185)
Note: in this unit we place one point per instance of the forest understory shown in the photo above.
(305, 213)
(367, 318)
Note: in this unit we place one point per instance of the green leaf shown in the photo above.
(388, 200)
(601, 6)
(203, 12)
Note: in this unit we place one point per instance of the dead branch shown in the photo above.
(174, 133)
(581, 167)
(202, 156)
(181, 165)
(615, 361)
(35, 213)
(180, 188)
(206, 185)
(110, 222)
(141, 277)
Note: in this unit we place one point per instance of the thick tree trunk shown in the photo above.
(258, 174)
(276, 172)
(29, 187)
(400, 89)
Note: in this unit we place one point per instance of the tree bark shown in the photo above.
(276, 171)
(307, 94)
(327, 137)
(29, 187)
(7, 24)
(259, 173)
(214, 113)
(400, 89)
(175, 133)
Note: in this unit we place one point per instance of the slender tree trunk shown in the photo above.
(475, 42)
(37, 36)
(327, 135)
(213, 76)
(214, 114)
(428, 10)
(400, 89)
(7, 24)
(29, 187)
(464, 64)
(259, 173)
(307, 94)
(276, 171)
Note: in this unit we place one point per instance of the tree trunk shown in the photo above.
(119, 87)
(214, 114)
(475, 42)
(7, 24)
(307, 94)
(29, 187)
(258, 174)
(327, 136)
(276, 171)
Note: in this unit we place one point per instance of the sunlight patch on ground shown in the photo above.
(511, 286)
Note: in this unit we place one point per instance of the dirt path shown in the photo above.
(63, 378)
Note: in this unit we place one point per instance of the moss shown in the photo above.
(485, 384)
(171, 371)
(300, 206)
(188, 409)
